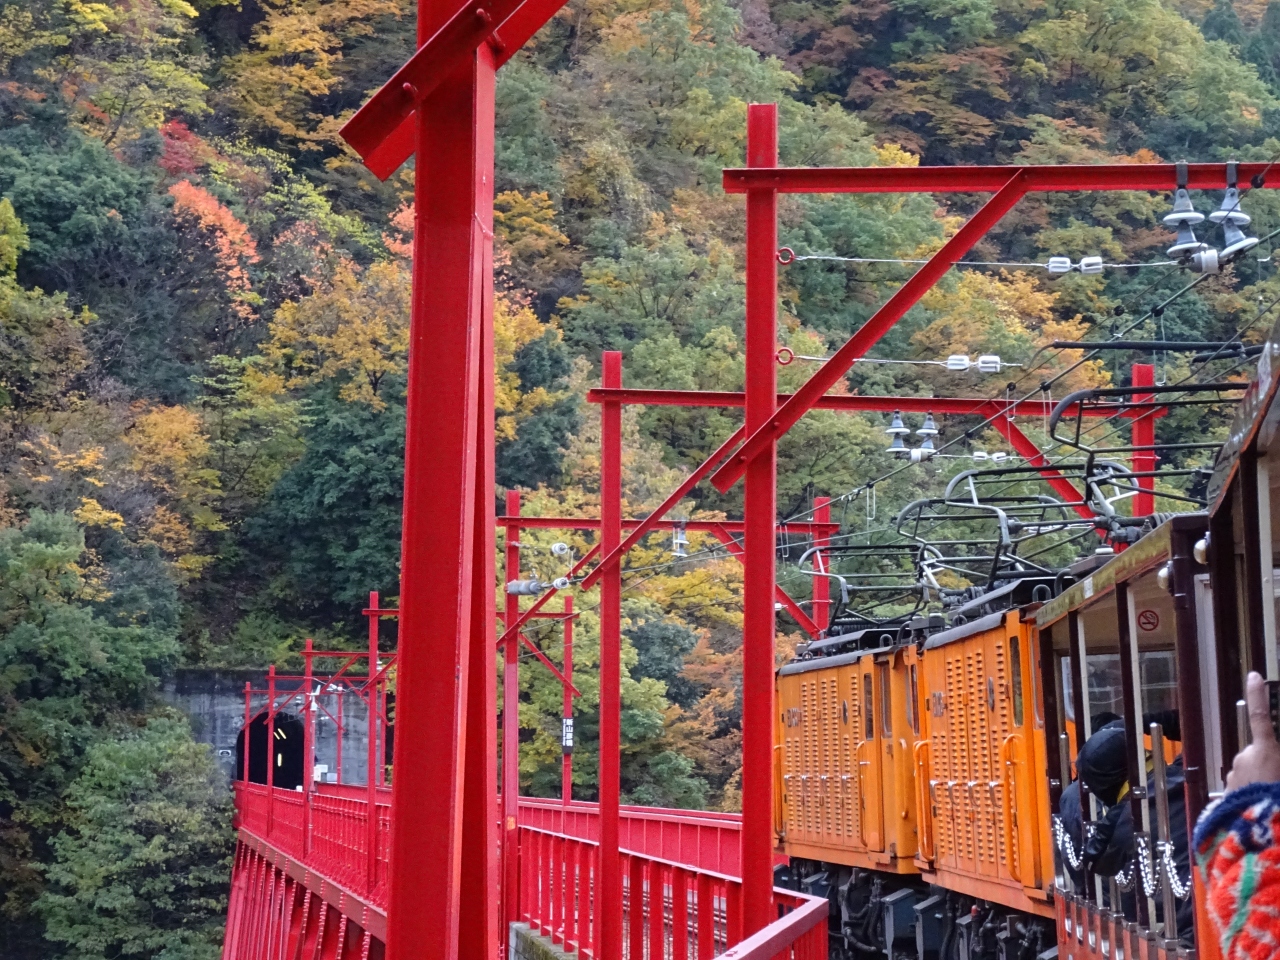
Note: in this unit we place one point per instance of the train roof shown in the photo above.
(1153, 549)
(981, 625)
(822, 663)
(1256, 413)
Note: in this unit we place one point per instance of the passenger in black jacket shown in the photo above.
(1111, 846)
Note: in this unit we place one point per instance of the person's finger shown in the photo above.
(1259, 710)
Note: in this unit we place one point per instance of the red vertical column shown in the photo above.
(511, 724)
(308, 746)
(609, 905)
(452, 234)
(1144, 435)
(371, 783)
(760, 541)
(271, 746)
(566, 769)
(821, 585)
(479, 932)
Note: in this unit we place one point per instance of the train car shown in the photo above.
(910, 789)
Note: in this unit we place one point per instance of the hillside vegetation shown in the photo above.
(203, 329)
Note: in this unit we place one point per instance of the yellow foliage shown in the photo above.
(293, 58)
(515, 325)
(92, 514)
(356, 330)
(893, 155)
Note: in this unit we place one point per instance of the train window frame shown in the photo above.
(1015, 681)
(886, 703)
(868, 707)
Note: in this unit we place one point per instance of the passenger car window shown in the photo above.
(868, 697)
(1015, 668)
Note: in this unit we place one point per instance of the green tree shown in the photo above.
(142, 869)
(65, 673)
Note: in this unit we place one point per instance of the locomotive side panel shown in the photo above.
(982, 757)
(846, 790)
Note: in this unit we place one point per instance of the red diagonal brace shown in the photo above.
(549, 665)
(382, 131)
(906, 297)
(1022, 443)
(651, 521)
(528, 615)
(784, 598)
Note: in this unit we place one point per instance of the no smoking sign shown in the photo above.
(1148, 620)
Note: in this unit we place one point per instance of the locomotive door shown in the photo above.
(870, 771)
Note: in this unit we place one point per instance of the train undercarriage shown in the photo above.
(875, 914)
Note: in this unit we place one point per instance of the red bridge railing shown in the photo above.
(681, 896)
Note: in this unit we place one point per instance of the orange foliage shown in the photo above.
(233, 246)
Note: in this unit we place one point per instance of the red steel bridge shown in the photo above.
(440, 863)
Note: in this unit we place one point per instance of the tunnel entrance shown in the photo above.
(286, 755)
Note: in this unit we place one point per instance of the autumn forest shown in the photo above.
(204, 324)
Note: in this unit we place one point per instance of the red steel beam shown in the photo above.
(1026, 448)
(479, 933)
(965, 406)
(612, 557)
(759, 536)
(453, 202)
(830, 373)
(983, 179)
(511, 724)
(564, 681)
(609, 892)
(698, 526)
(821, 585)
(566, 706)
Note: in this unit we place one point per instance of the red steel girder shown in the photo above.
(697, 526)
(906, 297)
(453, 196)
(988, 179)
(609, 895)
(564, 681)
(760, 512)
(1009, 184)
(975, 406)
(381, 131)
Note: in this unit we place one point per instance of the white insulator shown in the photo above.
(1205, 261)
(1059, 265)
(999, 457)
(989, 363)
(526, 588)
(560, 549)
(1090, 264)
(919, 455)
(561, 583)
(980, 455)
(958, 362)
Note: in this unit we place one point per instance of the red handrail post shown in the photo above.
(609, 902)
(244, 764)
(511, 722)
(760, 538)
(566, 723)
(308, 746)
(821, 562)
(371, 783)
(271, 746)
(340, 692)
